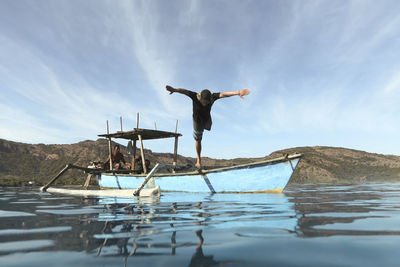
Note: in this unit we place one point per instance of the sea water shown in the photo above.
(307, 225)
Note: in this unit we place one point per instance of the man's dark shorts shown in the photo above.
(198, 135)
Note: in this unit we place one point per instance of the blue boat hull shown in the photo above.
(267, 176)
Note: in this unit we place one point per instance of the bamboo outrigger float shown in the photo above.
(267, 176)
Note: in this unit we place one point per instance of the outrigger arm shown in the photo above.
(69, 166)
(147, 179)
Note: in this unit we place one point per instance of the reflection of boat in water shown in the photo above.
(265, 176)
(134, 234)
(132, 230)
(162, 228)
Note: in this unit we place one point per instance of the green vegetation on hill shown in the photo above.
(21, 163)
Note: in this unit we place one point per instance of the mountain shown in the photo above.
(335, 165)
(23, 163)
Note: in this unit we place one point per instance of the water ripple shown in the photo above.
(248, 229)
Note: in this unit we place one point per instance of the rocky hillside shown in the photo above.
(333, 164)
(21, 163)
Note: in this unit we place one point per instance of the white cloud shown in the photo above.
(18, 125)
(286, 113)
(75, 106)
(392, 86)
(147, 45)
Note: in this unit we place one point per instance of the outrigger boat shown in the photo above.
(266, 176)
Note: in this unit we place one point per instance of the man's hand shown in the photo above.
(170, 89)
(240, 93)
(244, 92)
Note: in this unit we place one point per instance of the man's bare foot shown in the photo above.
(198, 165)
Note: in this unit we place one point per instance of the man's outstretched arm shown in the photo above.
(171, 90)
(241, 93)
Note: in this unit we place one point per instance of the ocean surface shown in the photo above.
(308, 225)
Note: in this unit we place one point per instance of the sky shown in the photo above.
(321, 73)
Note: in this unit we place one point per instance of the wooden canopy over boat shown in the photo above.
(140, 134)
(146, 134)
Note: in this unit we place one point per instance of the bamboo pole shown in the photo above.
(142, 153)
(87, 182)
(109, 148)
(134, 144)
(133, 155)
(147, 179)
(120, 122)
(44, 188)
(175, 146)
(205, 178)
(155, 126)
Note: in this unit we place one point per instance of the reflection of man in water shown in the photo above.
(198, 258)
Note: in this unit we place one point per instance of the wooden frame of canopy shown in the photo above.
(139, 134)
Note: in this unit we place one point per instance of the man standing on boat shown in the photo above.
(202, 103)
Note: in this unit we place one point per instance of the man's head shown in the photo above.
(205, 97)
(116, 148)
